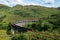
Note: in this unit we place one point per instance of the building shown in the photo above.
(19, 26)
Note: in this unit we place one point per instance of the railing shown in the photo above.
(22, 21)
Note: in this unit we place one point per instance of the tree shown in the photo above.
(34, 27)
(58, 8)
(39, 25)
(45, 27)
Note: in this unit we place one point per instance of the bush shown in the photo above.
(19, 37)
(9, 28)
(45, 27)
(2, 26)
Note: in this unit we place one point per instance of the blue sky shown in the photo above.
(46, 3)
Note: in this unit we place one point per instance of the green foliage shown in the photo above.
(37, 26)
(55, 20)
(20, 12)
(50, 21)
(1, 19)
(19, 37)
(45, 27)
(40, 27)
(49, 24)
(36, 36)
(9, 28)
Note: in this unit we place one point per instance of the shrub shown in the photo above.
(19, 37)
(9, 28)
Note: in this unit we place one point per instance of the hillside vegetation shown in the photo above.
(47, 27)
(20, 12)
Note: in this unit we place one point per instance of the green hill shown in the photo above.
(20, 12)
(47, 28)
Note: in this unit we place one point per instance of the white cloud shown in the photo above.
(49, 1)
(28, 2)
(11, 2)
(19, 1)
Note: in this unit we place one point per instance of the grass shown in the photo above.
(24, 13)
(20, 12)
(39, 35)
(3, 35)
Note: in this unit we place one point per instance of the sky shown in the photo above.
(46, 3)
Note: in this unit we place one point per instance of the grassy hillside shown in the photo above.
(20, 12)
(46, 29)
(3, 35)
